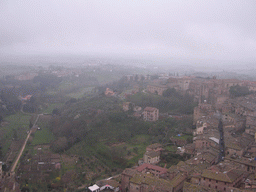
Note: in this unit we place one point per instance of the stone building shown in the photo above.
(157, 89)
(150, 178)
(150, 114)
(151, 157)
(202, 110)
(148, 183)
(221, 181)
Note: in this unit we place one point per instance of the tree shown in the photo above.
(60, 144)
(237, 91)
(135, 149)
(56, 111)
(170, 92)
(15, 135)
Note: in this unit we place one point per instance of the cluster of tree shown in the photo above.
(10, 102)
(117, 86)
(85, 80)
(171, 92)
(238, 91)
(171, 102)
(172, 158)
(67, 131)
(47, 80)
(31, 106)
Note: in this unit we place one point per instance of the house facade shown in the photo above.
(150, 114)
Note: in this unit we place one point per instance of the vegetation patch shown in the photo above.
(16, 129)
(51, 107)
(42, 136)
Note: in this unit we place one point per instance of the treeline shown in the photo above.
(170, 101)
(238, 91)
(9, 102)
(111, 125)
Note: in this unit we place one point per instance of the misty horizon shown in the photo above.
(187, 32)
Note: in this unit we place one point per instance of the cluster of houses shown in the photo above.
(148, 114)
(205, 171)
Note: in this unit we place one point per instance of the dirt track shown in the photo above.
(23, 147)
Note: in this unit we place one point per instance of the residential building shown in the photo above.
(157, 89)
(151, 157)
(221, 181)
(150, 114)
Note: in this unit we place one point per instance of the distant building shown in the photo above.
(221, 181)
(109, 92)
(158, 89)
(150, 114)
(151, 157)
(26, 76)
(126, 106)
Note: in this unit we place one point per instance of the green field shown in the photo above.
(80, 93)
(49, 109)
(42, 136)
(18, 123)
(103, 151)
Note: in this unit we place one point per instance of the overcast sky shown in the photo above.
(201, 29)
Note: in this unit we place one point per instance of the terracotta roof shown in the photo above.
(228, 176)
(153, 167)
(189, 187)
(129, 171)
(243, 161)
(178, 179)
(154, 183)
(150, 109)
(152, 154)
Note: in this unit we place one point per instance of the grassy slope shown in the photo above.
(19, 122)
(42, 136)
(49, 109)
(80, 93)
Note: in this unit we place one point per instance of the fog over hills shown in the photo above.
(202, 34)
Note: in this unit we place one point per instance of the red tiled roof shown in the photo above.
(153, 167)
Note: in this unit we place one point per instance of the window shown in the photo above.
(216, 187)
(216, 181)
(209, 179)
(209, 185)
